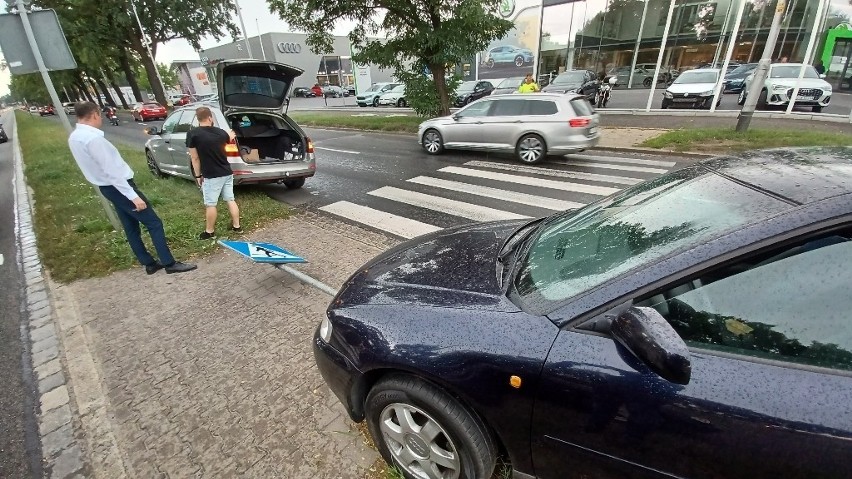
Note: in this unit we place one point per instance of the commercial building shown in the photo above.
(335, 68)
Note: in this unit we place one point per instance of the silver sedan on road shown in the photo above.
(532, 125)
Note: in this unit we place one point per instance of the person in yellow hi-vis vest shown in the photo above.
(529, 85)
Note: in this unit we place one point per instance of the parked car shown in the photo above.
(693, 325)
(667, 73)
(735, 79)
(317, 90)
(351, 89)
(470, 91)
(508, 54)
(640, 76)
(269, 146)
(531, 126)
(33, 109)
(68, 107)
(395, 97)
(303, 92)
(3, 136)
(692, 89)
(149, 111)
(46, 110)
(371, 96)
(582, 82)
(334, 91)
(780, 83)
(507, 85)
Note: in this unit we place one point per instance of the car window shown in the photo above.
(171, 122)
(573, 253)
(152, 105)
(513, 82)
(507, 107)
(185, 122)
(540, 107)
(792, 71)
(790, 305)
(582, 107)
(476, 109)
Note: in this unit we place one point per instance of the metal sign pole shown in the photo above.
(57, 105)
(759, 79)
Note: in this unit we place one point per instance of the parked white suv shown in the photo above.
(780, 83)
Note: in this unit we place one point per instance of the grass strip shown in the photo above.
(722, 140)
(75, 238)
(397, 122)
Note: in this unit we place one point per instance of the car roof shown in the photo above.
(800, 175)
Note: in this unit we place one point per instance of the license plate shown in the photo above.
(804, 97)
(593, 130)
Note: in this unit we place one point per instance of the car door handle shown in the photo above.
(517, 121)
(166, 141)
(478, 122)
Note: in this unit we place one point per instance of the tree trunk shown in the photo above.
(150, 69)
(96, 95)
(129, 75)
(439, 77)
(111, 77)
(107, 95)
(81, 85)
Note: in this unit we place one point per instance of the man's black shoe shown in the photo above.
(237, 229)
(153, 268)
(206, 236)
(178, 267)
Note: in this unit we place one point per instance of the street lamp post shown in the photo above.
(243, 24)
(146, 41)
(759, 80)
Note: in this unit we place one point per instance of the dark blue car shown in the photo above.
(696, 325)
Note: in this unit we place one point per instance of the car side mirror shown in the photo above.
(153, 131)
(456, 117)
(652, 340)
(822, 76)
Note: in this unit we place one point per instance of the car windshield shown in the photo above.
(697, 77)
(152, 105)
(511, 82)
(398, 89)
(569, 78)
(792, 71)
(467, 86)
(375, 88)
(742, 69)
(635, 228)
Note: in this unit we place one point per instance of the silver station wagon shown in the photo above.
(532, 125)
(269, 146)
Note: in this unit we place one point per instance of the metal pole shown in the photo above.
(759, 80)
(731, 46)
(262, 50)
(721, 43)
(54, 97)
(808, 50)
(147, 44)
(660, 56)
(243, 24)
(636, 48)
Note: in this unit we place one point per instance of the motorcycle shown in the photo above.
(112, 116)
(604, 93)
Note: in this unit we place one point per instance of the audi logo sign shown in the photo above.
(285, 47)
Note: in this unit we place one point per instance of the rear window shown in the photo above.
(254, 91)
(152, 105)
(540, 107)
(582, 107)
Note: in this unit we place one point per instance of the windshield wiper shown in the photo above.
(509, 245)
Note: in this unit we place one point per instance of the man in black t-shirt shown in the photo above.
(206, 145)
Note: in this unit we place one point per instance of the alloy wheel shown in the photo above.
(519, 61)
(432, 142)
(418, 443)
(530, 149)
(152, 165)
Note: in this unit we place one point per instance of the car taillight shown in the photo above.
(579, 122)
(310, 147)
(231, 149)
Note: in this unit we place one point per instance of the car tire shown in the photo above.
(294, 184)
(398, 411)
(741, 99)
(490, 63)
(400, 103)
(531, 149)
(761, 100)
(153, 166)
(817, 109)
(666, 104)
(376, 102)
(519, 61)
(647, 82)
(432, 142)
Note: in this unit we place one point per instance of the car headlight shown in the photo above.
(780, 88)
(325, 329)
(668, 94)
(706, 93)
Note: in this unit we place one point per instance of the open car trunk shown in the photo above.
(266, 139)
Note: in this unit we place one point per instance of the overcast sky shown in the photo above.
(256, 16)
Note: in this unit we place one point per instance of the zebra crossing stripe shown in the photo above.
(531, 181)
(391, 223)
(607, 166)
(444, 205)
(618, 159)
(576, 175)
(514, 197)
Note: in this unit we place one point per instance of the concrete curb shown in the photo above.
(58, 422)
(651, 151)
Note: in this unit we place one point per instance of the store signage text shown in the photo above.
(289, 47)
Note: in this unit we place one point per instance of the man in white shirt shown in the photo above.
(102, 165)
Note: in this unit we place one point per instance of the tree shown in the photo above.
(420, 33)
(169, 76)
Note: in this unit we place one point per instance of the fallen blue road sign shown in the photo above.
(263, 252)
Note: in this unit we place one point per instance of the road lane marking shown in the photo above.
(607, 166)
(576, 175)
(1, 259)
(444, 205)
(337, 151)
(397, 225)
(496, 193)
(618, 159)
(530, 181)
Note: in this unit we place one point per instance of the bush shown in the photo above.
(420, 91)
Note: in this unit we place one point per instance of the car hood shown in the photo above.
(564, 88)
(681, 88)
(454, 268)
(806, 83)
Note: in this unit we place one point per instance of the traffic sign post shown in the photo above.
(277, 256)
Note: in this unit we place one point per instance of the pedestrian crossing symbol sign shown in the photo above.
(263, 252)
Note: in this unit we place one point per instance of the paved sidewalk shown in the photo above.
(211, 373)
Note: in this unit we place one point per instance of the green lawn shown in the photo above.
(360, 121)
(75, 238)
(721, 140)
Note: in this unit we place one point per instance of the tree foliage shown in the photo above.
(169, 76)
(433, 33)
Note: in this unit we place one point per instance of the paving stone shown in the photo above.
(55, 442)
(45, 344)
(54, 419)
(44, 332)
(33, 307)
(44, 356)
(35, 297)
(67, 464)
(51, 382)
(54, 399)
(49, 368)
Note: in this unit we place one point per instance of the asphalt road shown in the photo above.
(19, 449)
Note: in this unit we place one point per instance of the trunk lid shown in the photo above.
(254, 85)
